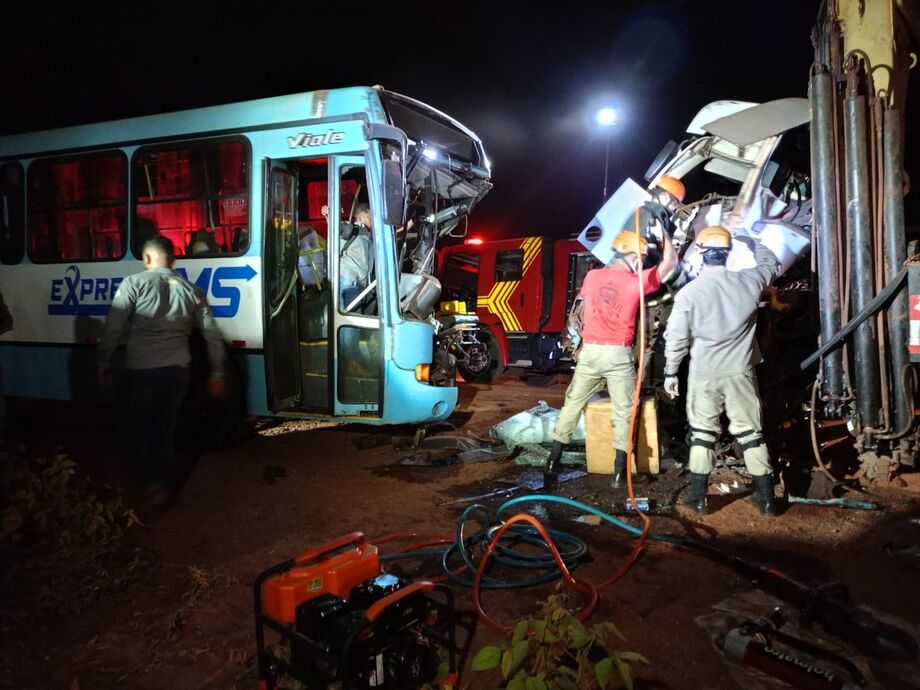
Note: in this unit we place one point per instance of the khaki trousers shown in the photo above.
(615, 364)
(737, 396)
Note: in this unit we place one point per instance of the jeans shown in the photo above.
(151, 400)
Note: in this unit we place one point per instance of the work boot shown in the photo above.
(763, 495)
(619, 472)
(551, 471)
(696, 497)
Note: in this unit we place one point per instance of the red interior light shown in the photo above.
(473, 240)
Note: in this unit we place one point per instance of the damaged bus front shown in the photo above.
(447, 173)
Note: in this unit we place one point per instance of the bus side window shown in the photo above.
(356, 251)
(78, 208)
(197, 195)
(12, 216)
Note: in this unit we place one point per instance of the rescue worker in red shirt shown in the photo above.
(611, 301)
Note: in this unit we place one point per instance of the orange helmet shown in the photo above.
(714, 237)
(627, 242)
(674, 187)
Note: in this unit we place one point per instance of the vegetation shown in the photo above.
(556, 651)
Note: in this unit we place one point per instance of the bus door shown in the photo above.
(280, 248)
(357, 364)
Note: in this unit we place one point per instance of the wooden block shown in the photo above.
(599, 437)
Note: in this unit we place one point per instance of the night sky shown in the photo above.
(527, 81)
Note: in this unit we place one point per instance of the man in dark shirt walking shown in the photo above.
(157, 309)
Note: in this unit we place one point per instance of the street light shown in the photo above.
(606, 118)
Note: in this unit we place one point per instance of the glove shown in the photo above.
(670, 385)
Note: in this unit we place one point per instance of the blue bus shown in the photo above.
(260, 200)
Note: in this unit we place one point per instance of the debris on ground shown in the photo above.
(834, 502)
(528, 481)
(440, 451)
(730, 488)
(426, 459)
(536, 455)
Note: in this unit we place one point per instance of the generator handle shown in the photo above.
(318, 552)
(378, 607)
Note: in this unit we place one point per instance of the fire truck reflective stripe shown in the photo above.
(497, 301)
(531, 247)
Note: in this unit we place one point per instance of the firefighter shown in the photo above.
(655, 215)
(714, 319)
(611, 300)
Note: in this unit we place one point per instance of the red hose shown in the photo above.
(633, 433)
(577, 585)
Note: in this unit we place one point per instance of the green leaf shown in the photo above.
(566, 671)
(443, 670)
(533, 683)
(518, 654)
(604, 671)
(486, 658)
(520, 631)
(566, 683)
(517, 683)
(625, 674)
(543, 634)
(578, 638)
(539, 631)
(631, 656)
(507, 659)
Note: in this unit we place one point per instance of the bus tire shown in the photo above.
(495, 367)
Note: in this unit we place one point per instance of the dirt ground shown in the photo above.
(184, 619)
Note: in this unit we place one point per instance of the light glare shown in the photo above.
(606, 117)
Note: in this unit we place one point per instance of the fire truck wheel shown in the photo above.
(493, 369)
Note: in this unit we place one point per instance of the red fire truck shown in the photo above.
(521, 290)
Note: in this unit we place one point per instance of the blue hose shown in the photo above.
(575, 551)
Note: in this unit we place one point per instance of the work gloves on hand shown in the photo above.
(670, 385)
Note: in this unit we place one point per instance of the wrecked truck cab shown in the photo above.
(746, 167)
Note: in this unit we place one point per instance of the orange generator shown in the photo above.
(340, 619)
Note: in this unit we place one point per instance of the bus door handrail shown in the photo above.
(357, 300)
(287, 295)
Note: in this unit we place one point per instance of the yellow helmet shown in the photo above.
(674, 187)
(714, 237)
(627, 242)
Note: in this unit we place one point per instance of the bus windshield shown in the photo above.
(447, 173)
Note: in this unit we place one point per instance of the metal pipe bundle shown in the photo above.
(859, 232)
(895, 255)
(824, 176)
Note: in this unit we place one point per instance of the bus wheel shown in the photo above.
(487, 367)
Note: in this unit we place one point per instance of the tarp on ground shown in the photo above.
(533, 426)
